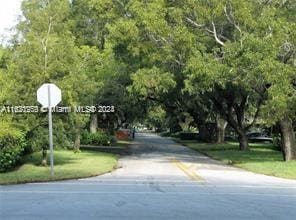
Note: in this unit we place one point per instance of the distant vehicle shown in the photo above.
(259, 137)
(123, 134)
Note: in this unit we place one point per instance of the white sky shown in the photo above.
(9, 11)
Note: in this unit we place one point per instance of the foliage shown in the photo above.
(152, 83)
(174, 64)
(240, 71)
(156, 118)
(188, 136)
(98, 138)
(186, 121)
(12, 146)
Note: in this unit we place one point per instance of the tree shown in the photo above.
(156, 118)
(227, 71)
(214, 61)
(45, 53)
(93, 22)
(4, 84)
(280, 74)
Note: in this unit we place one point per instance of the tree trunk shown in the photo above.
(202, 127)
(243, 140)
(174, 126)
(221, 126)
(202, 132)
(44, 155)
(93, 127)
(77, 142)
(288, 139)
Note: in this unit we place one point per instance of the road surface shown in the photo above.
(159, 180)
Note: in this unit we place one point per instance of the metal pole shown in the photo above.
(50, 132)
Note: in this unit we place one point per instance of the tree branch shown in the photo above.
(231, 21)
(199, 25)
(256, 113)
(215, 35)
(45, 44)
(213, 32)
(194, 23)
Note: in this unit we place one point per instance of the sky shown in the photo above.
(9, 11)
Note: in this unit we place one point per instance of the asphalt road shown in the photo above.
(159, 180)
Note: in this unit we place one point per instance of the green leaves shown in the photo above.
(203, 72)
(12, 146)
(186, 55)
(152, 82)
(156, 117)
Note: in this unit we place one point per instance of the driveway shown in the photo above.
(159, 180)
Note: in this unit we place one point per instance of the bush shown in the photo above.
(98, 138)
(37, 137)
(165, 134)
(188, 136)
(169, 134)
(86, 138)
(277, 142)
(12, 146)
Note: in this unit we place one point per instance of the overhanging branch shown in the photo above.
(203, 26)
(216, 36)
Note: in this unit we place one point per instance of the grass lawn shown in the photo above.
(262, 158)
(68, 165)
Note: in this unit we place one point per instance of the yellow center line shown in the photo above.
(190, 173)
(192, 166)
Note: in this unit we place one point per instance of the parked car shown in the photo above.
(123, 134)
(259, 137)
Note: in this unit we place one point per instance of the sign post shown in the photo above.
(49, 95)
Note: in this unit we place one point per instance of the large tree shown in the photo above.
(278, 20)
(46, 52)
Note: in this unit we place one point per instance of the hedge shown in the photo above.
(12, 146)
(98, 138)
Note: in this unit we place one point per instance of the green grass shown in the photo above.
(262, 158)
(68, 165)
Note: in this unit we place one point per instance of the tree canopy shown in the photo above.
(194, 62)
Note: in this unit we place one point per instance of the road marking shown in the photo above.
(193, 167)
(189, 172)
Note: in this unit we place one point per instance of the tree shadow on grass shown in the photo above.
(59, 158)
(247, 157)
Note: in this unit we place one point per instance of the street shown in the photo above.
(158, 180)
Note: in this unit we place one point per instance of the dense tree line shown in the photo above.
(177, 63)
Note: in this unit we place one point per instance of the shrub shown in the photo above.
(101, 139)
(98, 138)
(277, 142)
(37, 137)
(165, 134)
(169, 134)
(86, 138)
(188, 136)
(12, 146)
